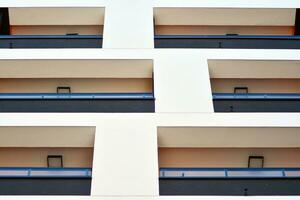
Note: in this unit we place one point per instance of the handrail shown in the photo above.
(51, 37)
(38, 172)
(76, 96)
(285, 37)
(230, 173)
(217, 96)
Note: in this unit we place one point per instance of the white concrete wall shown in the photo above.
(126, 158)
(128, 24)
(181, 82)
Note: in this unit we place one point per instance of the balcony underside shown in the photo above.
(233, 42)
(76, 41)
(221, 186)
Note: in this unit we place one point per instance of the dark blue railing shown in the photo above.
(230, 173)
(51, 37)
(51, 41)
(227, 41)
(256, 96)
(37, 172)
(76, 96)
(273, 37)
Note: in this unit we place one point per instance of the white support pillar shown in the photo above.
(182, 83)
(126, 158)
(128, 24)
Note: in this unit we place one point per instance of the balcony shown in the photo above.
(102, 85)
(45, 181)
(236, 28)
(237, 161)
(229, 181)
(46, 160)
(77, 102)
(80, 27)
(248, 85)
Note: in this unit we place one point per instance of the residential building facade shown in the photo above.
(149, 99)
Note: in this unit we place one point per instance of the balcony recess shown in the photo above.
(65, 86)
(248, 85)
(51, 27)
(242, 28)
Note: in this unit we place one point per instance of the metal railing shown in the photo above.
(256, 96)
(36, 172)
(230, 173)
(227, 41)
(274, 37)
(76, 96)
(51, 41)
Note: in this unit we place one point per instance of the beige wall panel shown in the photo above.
(223, 30)
(56, 16)
(243, 137)
(257, 85)
(231, 157)
(225, 16)
(181, 81)
(254, 69)
(126, 151)
(128, 24)
(37, 157)
(43, 136)
(77, 85)
(56, 30)
(119, 68)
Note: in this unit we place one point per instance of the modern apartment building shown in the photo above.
(149, 99)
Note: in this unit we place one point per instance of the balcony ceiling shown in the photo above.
(254, 69)
(47, 136)
(228, 137)
(56, 16)
(225, 16)
(76, 68)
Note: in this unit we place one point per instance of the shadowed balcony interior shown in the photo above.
(80, 27)
(28, 167)
(102, 86)
(248, 86)
(192, 164)
(226, 28)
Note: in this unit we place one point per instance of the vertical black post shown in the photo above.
(4, 22)
(297, 22)
(154, 32)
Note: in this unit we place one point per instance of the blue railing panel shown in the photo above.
(273, 37)
(16, 172)
(76, 96)
(256, 96)
(230, 173)
(51, 37)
